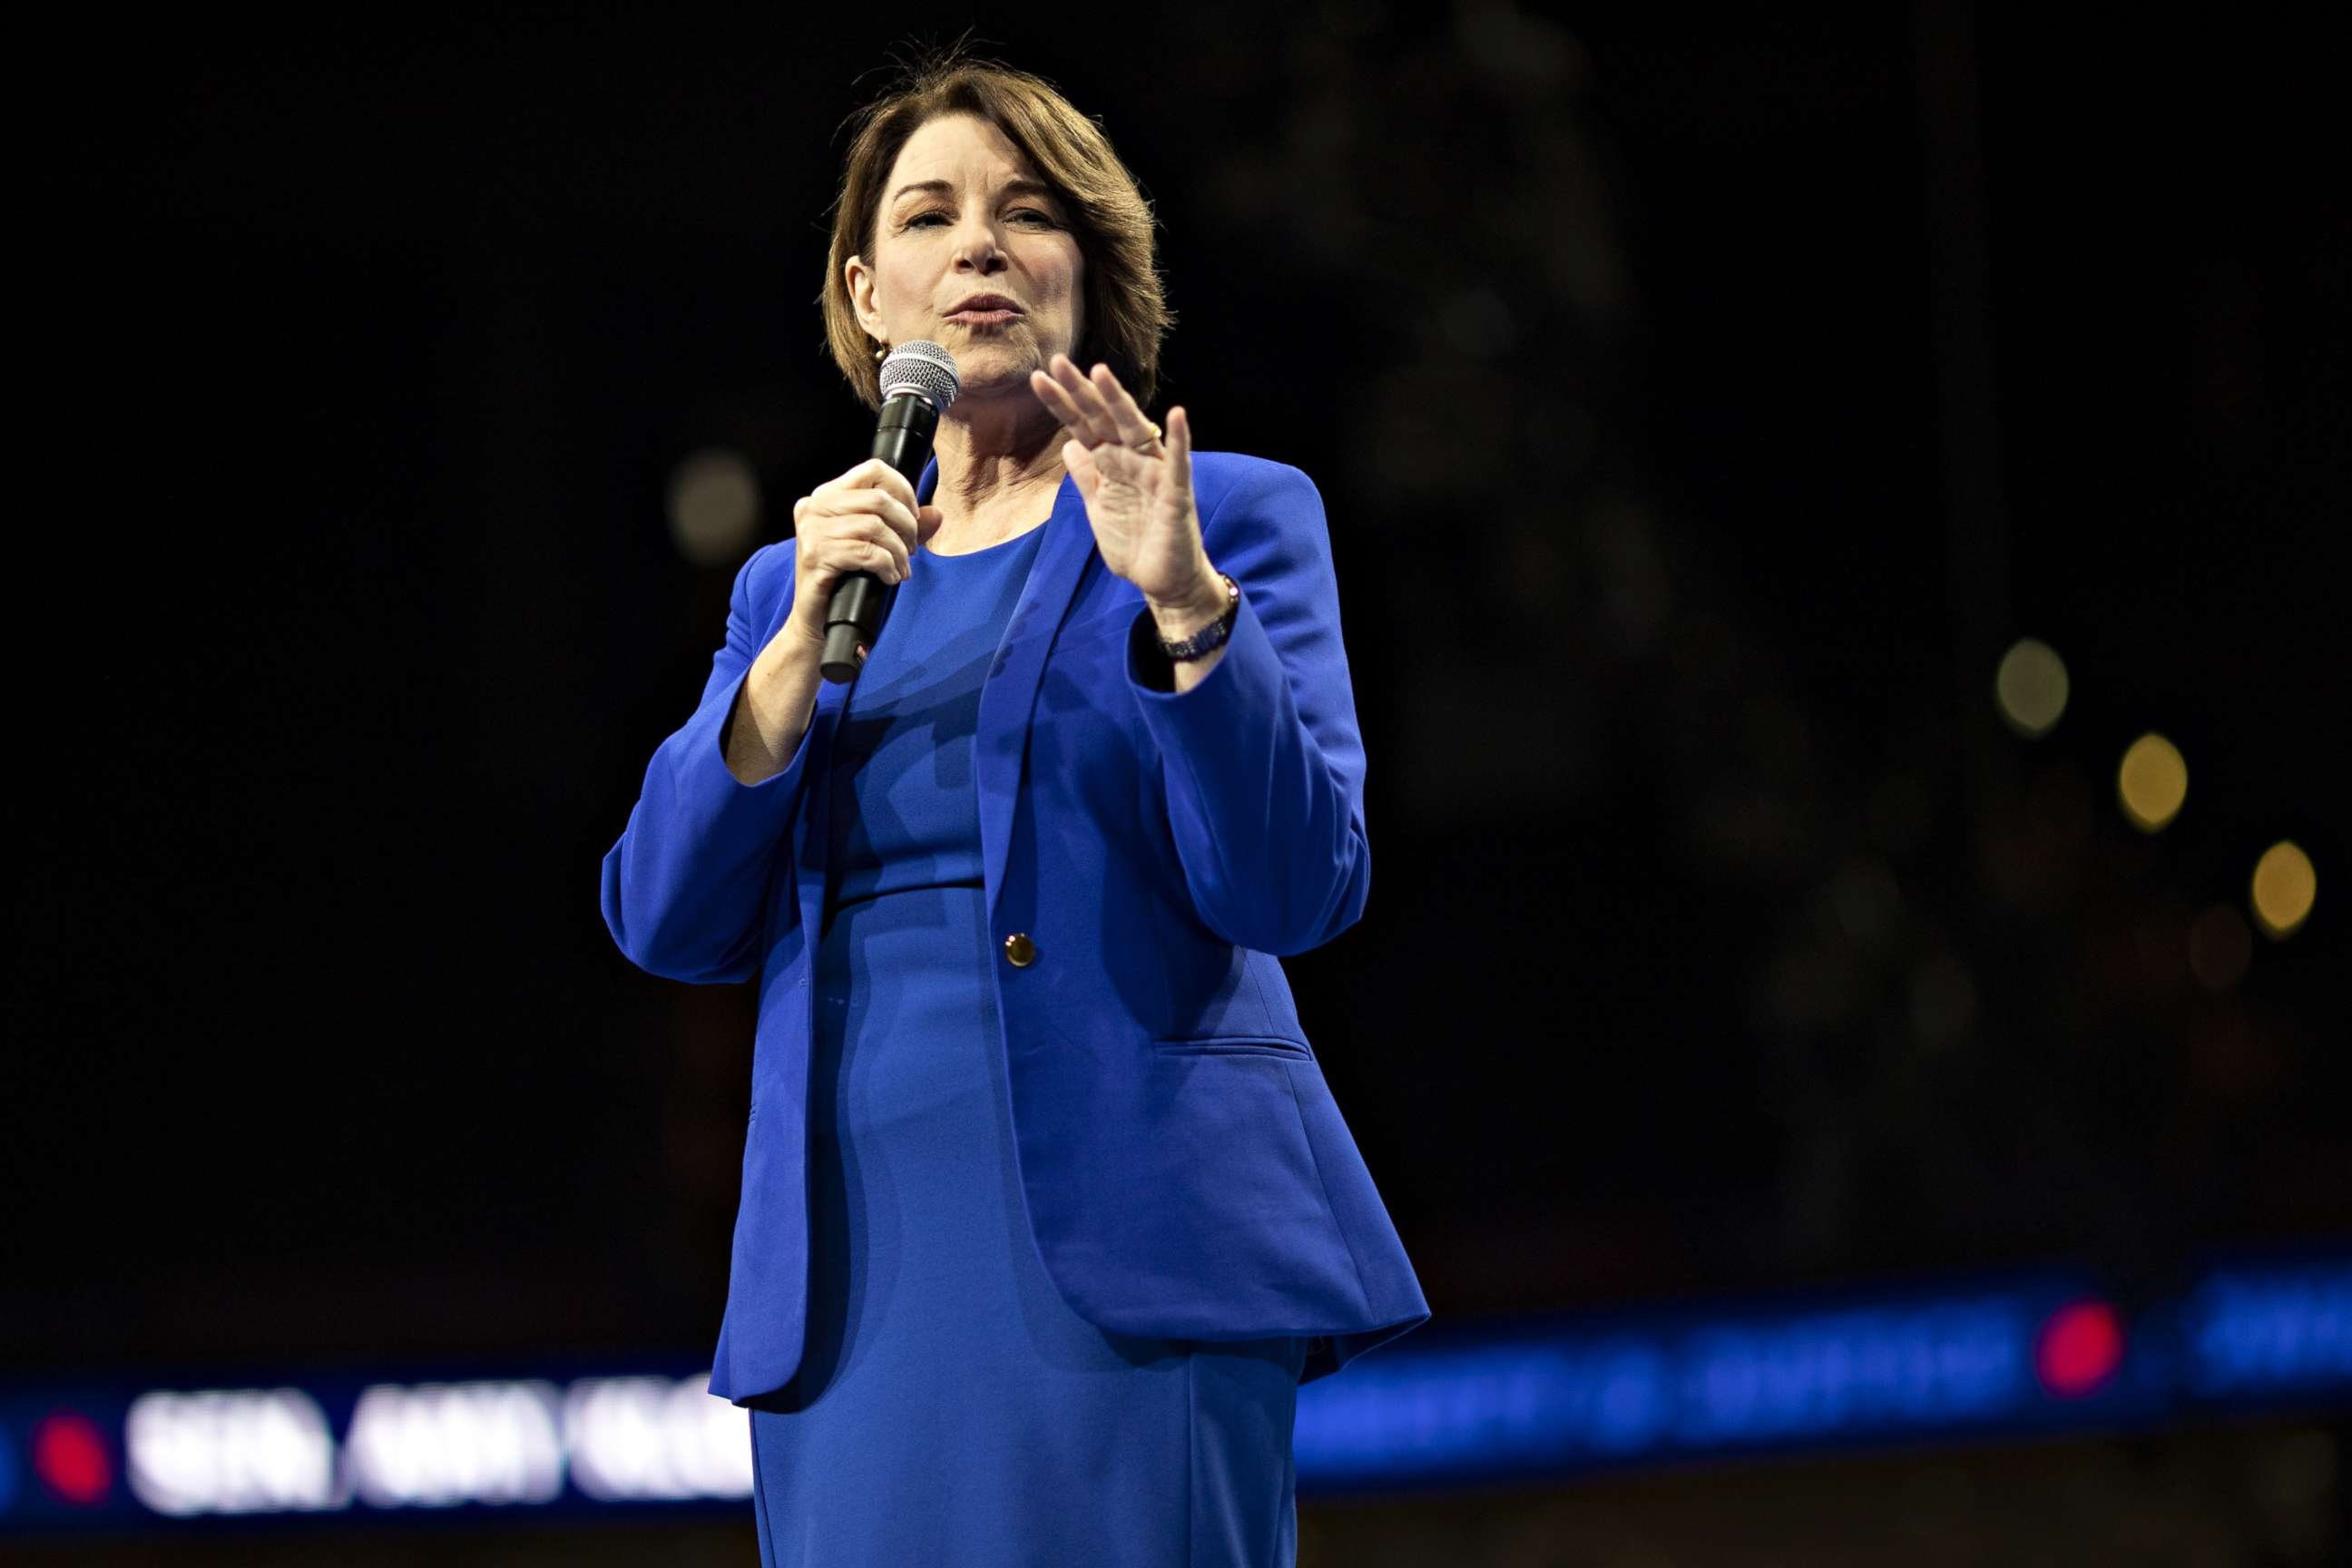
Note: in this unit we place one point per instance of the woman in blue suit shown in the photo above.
(1047, 1209)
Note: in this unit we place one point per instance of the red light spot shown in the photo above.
(70, 1456)
(2081, 1347)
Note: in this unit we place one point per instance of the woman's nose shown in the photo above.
(978, 245)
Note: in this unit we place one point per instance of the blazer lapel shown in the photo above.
(1009, 697)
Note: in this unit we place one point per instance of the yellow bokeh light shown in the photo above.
(2285, 887)
(2152, 782)
(2030, 686)
(714, 507)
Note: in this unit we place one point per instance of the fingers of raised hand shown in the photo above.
(1097, 405)
(1059, 388)
(1085, 395)
(1134, 429)
(1180, 449)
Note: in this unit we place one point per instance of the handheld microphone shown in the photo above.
(919, 380)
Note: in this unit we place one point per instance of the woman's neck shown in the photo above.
(995, 467)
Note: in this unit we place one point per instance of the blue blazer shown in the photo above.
(1187, 1173)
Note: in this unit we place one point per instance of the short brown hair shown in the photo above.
(1127, 312)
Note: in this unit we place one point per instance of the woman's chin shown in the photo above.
(992, 353)
(995, 371)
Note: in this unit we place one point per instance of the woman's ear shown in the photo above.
(860, 284)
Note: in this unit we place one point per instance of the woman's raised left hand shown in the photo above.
(1137, 491)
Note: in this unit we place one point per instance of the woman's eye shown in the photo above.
(920, 218)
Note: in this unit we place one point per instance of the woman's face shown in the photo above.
(963, 213)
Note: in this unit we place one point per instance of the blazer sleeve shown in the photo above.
(1263, 761)
(685, 887)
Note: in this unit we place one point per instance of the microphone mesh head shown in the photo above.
(921, 367)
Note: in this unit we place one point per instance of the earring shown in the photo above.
(881, 353)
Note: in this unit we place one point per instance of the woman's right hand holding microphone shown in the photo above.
(866, 520)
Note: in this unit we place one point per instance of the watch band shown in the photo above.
(1211, 638)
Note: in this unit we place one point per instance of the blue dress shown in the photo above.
(951, 1407)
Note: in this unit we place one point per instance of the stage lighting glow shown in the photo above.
(2030, 687)
(1746, 1383)
(2080, 1348)
(1513, 1399)
(1947, 1361)
(2284, 889)
(2152, 782)
(2220, 948)
(2257, 1333)
(69, 1455)
(636, 1439)
(714, 506)
(436, 1445)
(258, 1450)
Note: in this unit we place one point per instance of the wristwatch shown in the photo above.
(1211, 638)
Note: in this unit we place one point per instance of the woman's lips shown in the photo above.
(990, 318)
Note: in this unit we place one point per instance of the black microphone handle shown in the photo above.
(861, 600)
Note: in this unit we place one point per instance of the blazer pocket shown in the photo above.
(1235, 1046)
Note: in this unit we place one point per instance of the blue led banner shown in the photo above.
(1448, 1405)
